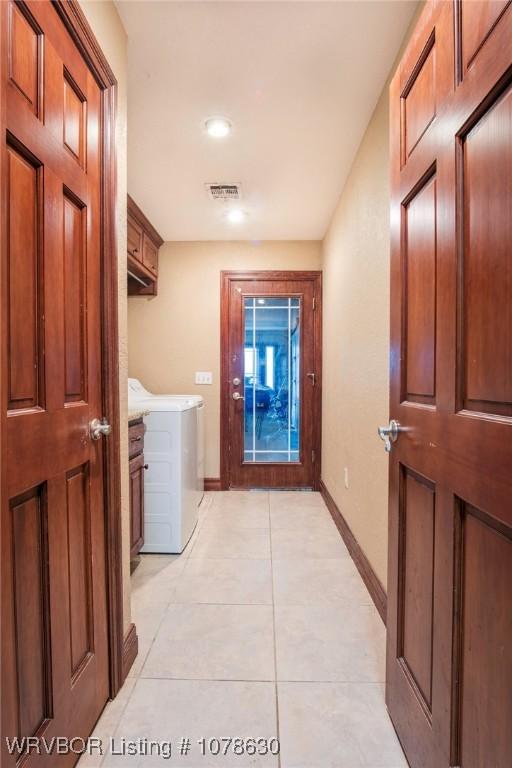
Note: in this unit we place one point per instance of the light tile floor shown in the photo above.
(262, 628)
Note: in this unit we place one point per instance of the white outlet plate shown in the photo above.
(204, 377)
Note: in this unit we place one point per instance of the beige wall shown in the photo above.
(178, 332)
(355, 261)
(356, 344)
(109, 31)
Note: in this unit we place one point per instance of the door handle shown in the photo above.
(312, 376)
(237, 396)
(98, 428)
(390, 434)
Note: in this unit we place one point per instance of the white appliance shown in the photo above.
(174, 452)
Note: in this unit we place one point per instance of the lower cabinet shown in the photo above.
(136, 470)
(136, 504)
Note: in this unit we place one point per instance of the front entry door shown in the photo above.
(449, 650)
(271, 379)
(54, 612)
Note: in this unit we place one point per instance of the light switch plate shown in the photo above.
(204, 377)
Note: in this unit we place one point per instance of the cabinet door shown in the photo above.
(149, 254)
(134, 239)
(136, 504)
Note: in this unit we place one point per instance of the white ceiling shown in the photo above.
(298, 80)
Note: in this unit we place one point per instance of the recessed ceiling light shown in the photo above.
(218, 127)
(235, 215)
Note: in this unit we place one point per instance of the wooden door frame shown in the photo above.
(75, 22)
(226, 278)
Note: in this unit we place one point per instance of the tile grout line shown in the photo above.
(172, 592)
(118, 721)
(278, 734)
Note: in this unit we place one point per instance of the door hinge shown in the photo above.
(313, 457)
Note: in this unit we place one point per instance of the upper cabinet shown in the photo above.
(143, 244)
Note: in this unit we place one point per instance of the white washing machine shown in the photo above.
(137, 392)
(174, 452)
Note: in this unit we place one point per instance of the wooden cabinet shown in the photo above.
(150, 255)
(136, 505)
(137, 469)
(136, 438)
(142, 253)
(134, 240)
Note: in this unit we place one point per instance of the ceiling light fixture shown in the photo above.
(218, 127)
(235, 215)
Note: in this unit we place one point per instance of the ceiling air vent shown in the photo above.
(224, 191)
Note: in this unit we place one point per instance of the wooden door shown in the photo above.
(449, 651)
(271, 379)
(54, 629)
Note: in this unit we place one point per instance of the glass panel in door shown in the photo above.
(272, 379)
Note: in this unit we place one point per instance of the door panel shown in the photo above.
(419, 101)
(487, 261)
(29, 515)
(485, 632)
(420, 310)
(75, 222)
(450, 526)
(26, 362)
(479, 17)
(78, 514)
(271, 379)
(417, 581)
(25, 56)
(54, 632)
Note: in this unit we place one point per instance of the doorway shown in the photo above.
(271, 379)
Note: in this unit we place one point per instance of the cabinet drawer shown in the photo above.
(136, 439)
(134, 239)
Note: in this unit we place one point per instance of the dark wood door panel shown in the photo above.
(26, 360)
(478, 18)
(419, 99)
(420, 305)
(75, 297)
(25, 58)
(31, 640)
(485, 303)
(55, 645)
(450, 524)
(416, 576)
(78, 512)
(484, 660)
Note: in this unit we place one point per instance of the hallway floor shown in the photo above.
(263, 628)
